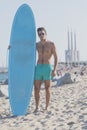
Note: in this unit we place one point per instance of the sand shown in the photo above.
(67, 110)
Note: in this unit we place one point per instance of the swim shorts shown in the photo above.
(43, 72)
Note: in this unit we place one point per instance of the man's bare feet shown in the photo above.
(36, 110)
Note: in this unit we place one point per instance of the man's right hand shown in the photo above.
(9, 47)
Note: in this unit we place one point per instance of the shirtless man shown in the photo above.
(44, 71)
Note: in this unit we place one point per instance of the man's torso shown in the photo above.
(44, 52)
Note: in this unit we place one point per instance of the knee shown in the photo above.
(36, 89)
(47, 88)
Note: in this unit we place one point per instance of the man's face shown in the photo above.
(42, 35)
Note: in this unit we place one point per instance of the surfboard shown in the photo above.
(22, 59)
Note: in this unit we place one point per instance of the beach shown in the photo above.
(67, 109)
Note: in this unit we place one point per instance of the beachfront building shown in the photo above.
(72, 54)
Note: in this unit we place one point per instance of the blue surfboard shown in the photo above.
(22, 58)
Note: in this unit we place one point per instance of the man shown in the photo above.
(44, 71)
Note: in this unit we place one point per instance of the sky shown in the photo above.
(57, 16)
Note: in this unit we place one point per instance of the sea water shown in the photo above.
(3, 77)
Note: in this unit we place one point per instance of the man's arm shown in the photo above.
(36, 46)
(55, 59)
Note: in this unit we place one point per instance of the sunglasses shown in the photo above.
(41, 34)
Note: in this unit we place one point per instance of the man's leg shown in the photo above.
(37, 86)
(47, 88)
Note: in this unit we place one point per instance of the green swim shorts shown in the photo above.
(43, 72)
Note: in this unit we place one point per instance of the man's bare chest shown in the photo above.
(44, 49)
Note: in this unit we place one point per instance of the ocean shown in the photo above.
(3, 77)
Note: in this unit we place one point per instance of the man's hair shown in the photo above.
(41, 29)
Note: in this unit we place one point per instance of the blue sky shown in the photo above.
(57, 16)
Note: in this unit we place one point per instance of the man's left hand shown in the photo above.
(53, 73)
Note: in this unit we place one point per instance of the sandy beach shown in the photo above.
(67, 110)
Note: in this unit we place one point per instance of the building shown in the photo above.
(72, 54)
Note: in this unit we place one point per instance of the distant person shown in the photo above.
(44, 71)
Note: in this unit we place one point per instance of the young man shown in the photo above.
(44, 71)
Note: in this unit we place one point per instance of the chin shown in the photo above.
(43, 39)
